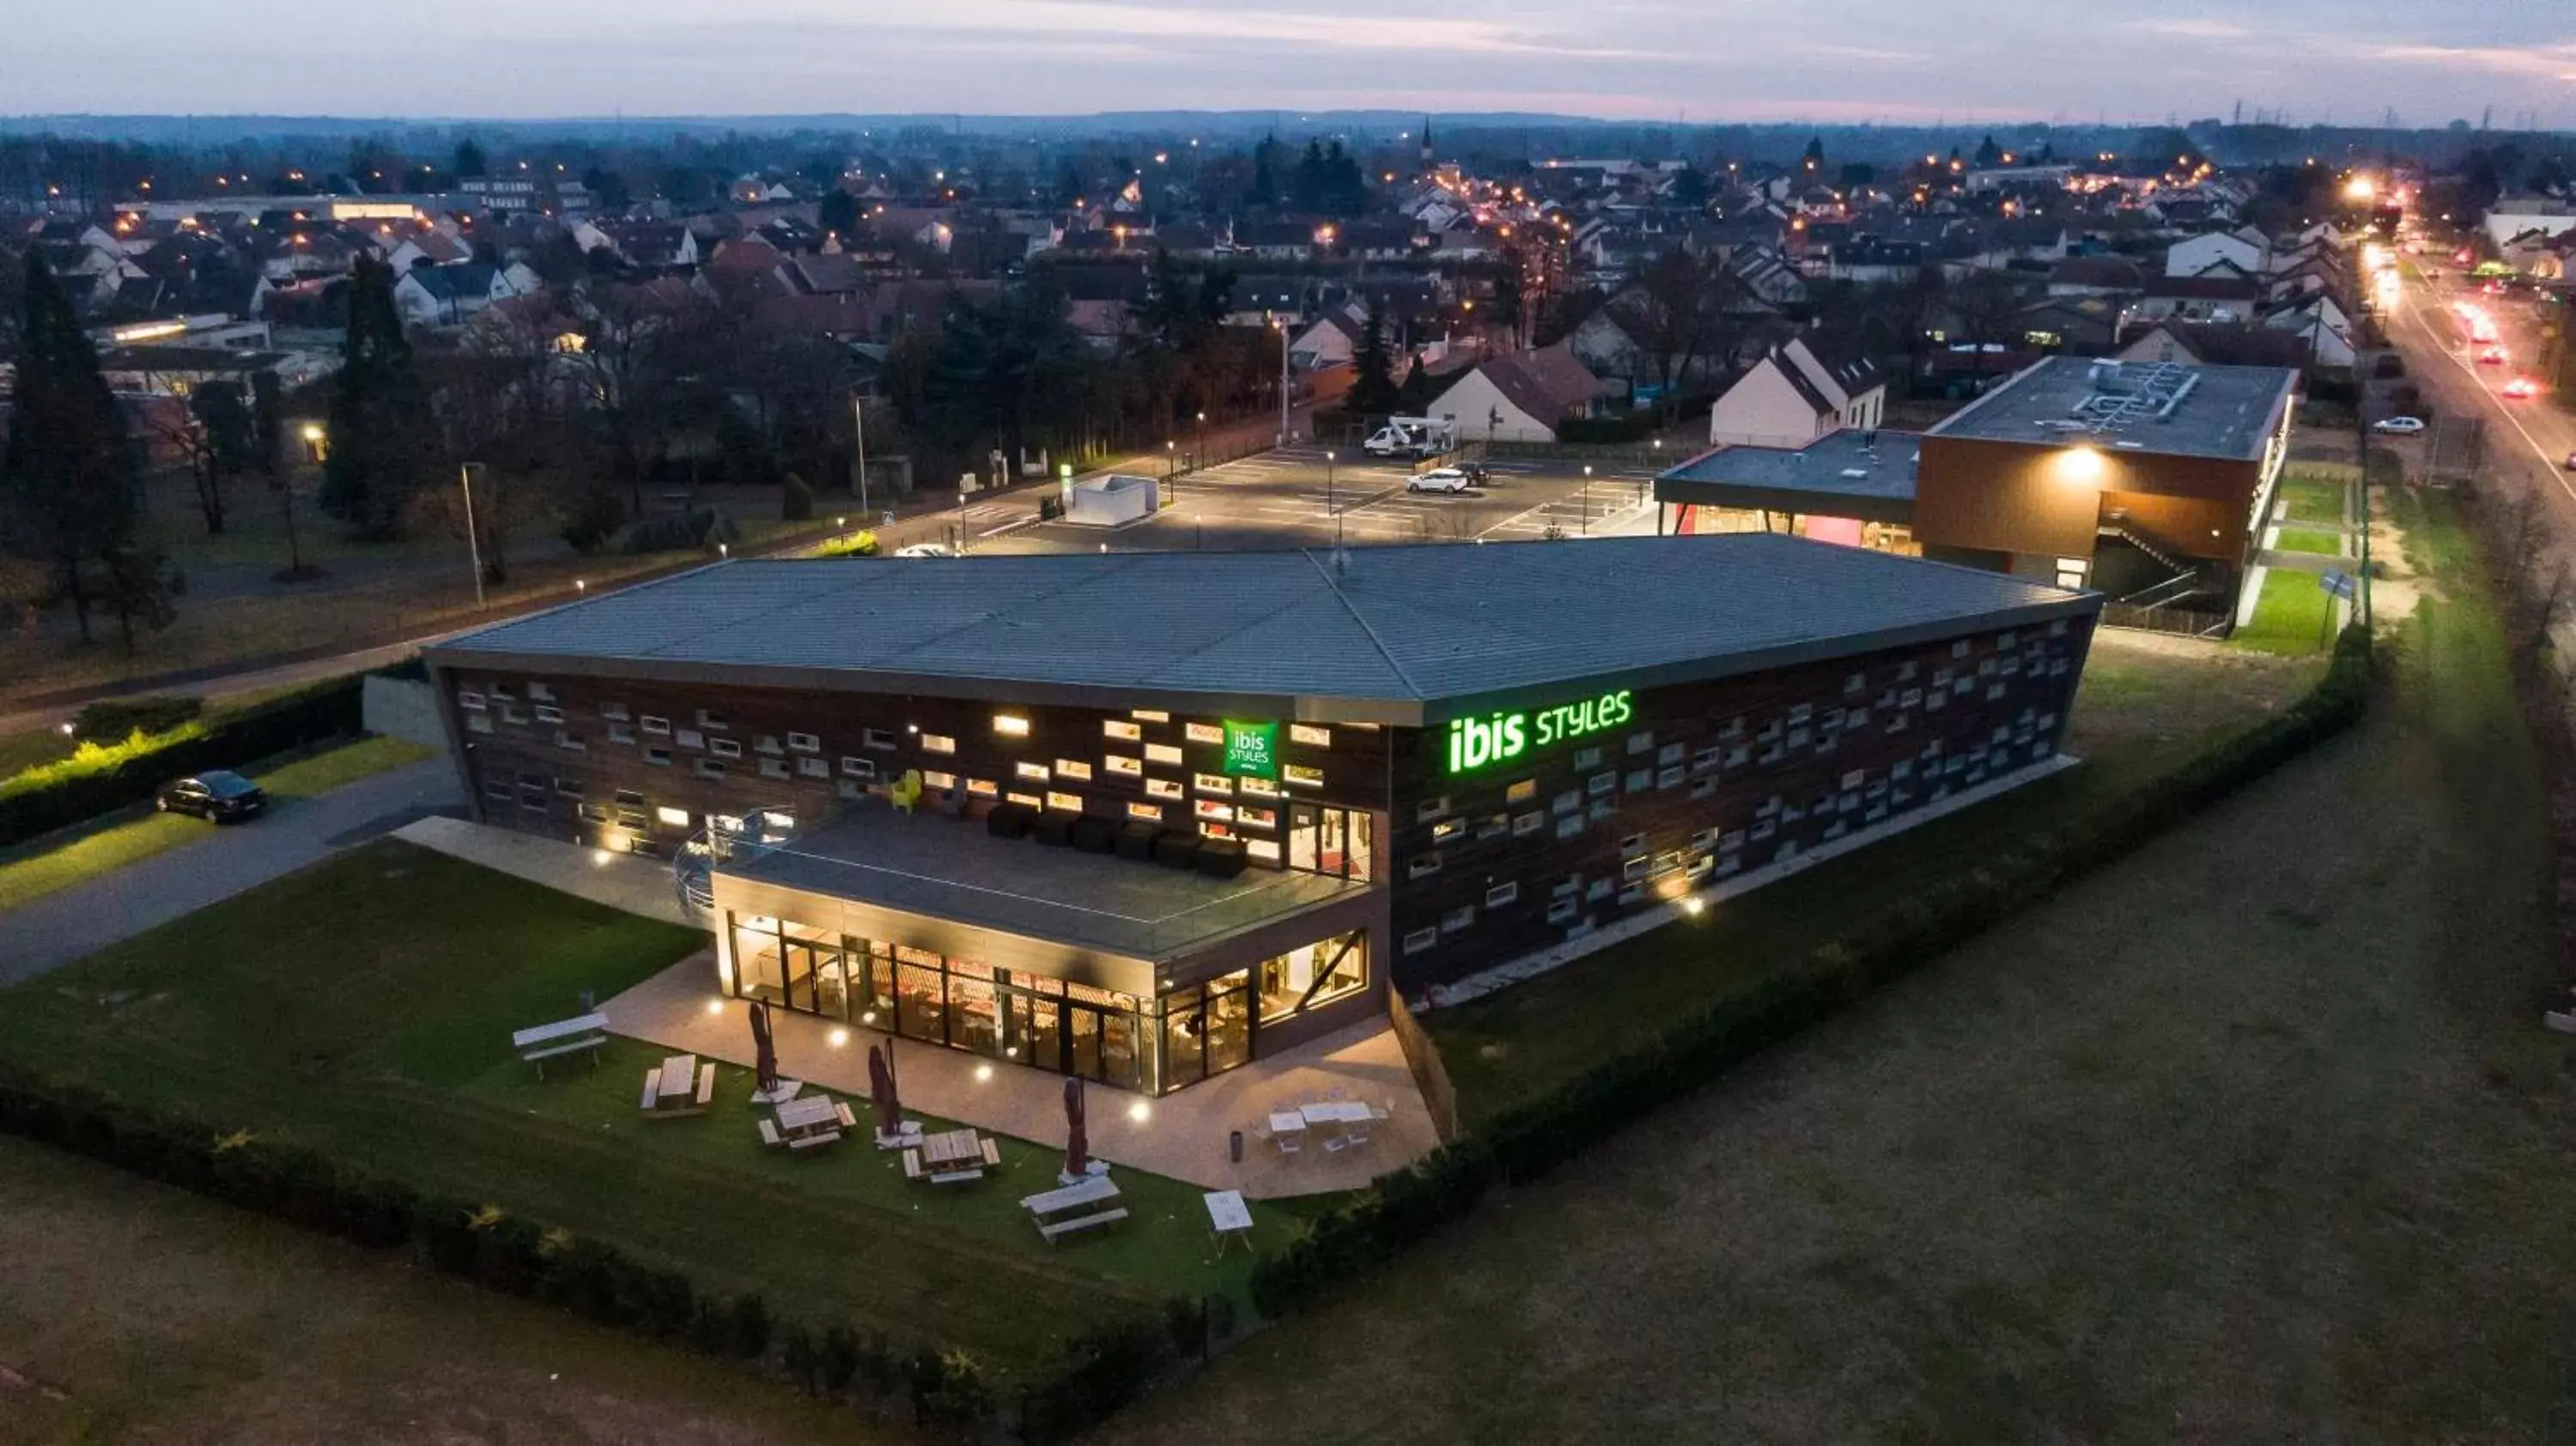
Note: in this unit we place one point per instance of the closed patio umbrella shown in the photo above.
(764, 1049)
(881, 1090)
(1077, 1140)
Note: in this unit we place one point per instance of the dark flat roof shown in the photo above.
(2223, 411)
(953, 869)
(1845, 473)
(1390, 634)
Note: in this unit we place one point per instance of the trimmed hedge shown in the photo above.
(113, 720)
(1528, 1141)
(71, 793)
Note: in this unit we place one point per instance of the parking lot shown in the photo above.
(1296, 497)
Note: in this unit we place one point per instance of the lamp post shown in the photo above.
(473, 537)
(1198, 459)
(1283, 381)
(1331, 503)
(1586, 495)
(859, 443)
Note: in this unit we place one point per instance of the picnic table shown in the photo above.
(680, 1087)
(809, 1121)
(1229, 1218)
(1049, 1210)
(1336, 1112)
(951, 1157)
(564, 1036)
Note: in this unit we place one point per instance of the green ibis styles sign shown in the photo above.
(1476, 743)
(1251, 750)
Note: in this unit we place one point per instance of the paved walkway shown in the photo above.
(52, 931)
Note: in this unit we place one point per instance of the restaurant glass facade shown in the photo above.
(1149, 1044)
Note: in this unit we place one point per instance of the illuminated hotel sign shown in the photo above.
(1251, 749)
(1501, 737)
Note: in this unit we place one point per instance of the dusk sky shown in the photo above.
(1709, 60)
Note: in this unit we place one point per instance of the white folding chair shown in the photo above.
(1337, 1144)
(1288, 1144)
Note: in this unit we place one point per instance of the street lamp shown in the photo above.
(1586, 495)
(859, 444)
(1332, 505)
(473, 539)
(1199, 450)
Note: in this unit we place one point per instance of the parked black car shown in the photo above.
(218, 796)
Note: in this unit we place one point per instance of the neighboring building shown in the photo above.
(451, 295)
(2226, 253)
(1359, 792)
(2124, 477)
(1794, 395)
(1523, 396)
(1850, 487)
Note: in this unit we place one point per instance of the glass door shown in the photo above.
(1082, 1036)
(1033, 1031)
(1305, 828)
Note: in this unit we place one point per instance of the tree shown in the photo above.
(265, 432)
(607, 188)
(469, 158)
(1988, 307)
(1812, 161)
(381, 445)
(1988, 153)
(838, 212)
(1373, 390)
(71, 474)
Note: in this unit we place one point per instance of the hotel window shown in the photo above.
(502, 692)
(1569, 826)
(1448, 829)
(1252, 817)
(471, 702)
(1033, 772)
(1310, 735)
(814, 767)
(1563, 911)
(672, 817)
(1495, 825)
(1164, 788)
(1601, 783)
(1640, 743)
(1640, 779)
(1670, 753)
(1528, 823)
(1073, 768)
(1120, 728)
(1029, 800)
(658, 757)
(938, 743)
(1420, 939)
(497, 789)
(1458, 919)
(938, 780)
(570, 742)
(707, 719)
(1148, 715)
(709, 768)
(620, 733)
(1258, 787)
(768, 743)
(724, 747)
(540, 693)
(804, 743)
(1587, 759)
(614, 710)
(1703, 788)
(1671, 777)
(1163, 753)
(1566, 802)
(1065, 802)
(1122, 765)
(1264, 849)
(1422, 866)
(1150, 813)
(1215, 811)
(1598, 889)
(549, 715)
(1300, 776)
(479, 723)
(859, 767)
(1501, 895)
(1707, 758)
(1636, 868)
(1429, 809)
(1203, 732)
(513, 713)
(660, 726)
(1212, 783)
(880, 739)
(568, 787)
(1521, 792)
(983, 788)
(689, 738)
(1312, 975)
(1010, 725)
(594, 813)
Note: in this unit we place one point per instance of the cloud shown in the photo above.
(2548, 62)
(2190, 28)
(1097, 20)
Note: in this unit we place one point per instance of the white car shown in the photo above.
(2400, 426)
(926, 549)
(1448, 481)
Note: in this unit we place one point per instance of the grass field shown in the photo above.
(2146, 704)
(2309, 539)
(2253, 1137)
(77, 855)
(366, 1005)
(2314, 499)
(257, 1332)
(2289, 619)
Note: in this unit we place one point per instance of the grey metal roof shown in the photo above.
(1818, 477)
(2226, 412)
(1400, 626)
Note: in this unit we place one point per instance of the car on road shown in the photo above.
(1448, 481)
(2491, 357)
(926, 549)
(2521, 389)
(217, 796)
(2398, 426)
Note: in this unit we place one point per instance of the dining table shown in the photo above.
(952, 1148)
(808, 1113)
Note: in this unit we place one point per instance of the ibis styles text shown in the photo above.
(1500, 737)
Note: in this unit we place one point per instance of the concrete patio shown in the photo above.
(1182, 1135)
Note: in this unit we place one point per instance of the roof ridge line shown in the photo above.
(1374, 640)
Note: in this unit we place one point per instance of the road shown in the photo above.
(54, 930)
(2528, 441)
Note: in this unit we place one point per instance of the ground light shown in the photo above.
(840, 1038)
(1140, 1112)
(715, 1006)
(983, 1072)
(1694, 906)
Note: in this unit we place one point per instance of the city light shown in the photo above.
(2360, 188)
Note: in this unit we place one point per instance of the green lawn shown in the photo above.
(2313, 499)
(2309, 539)
(2139, 712)
(366, 1005)
(79, 854)
(2290, 619)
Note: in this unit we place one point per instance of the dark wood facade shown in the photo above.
(2044, 499)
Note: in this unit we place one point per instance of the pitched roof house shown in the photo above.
(1794, 395)
(1523, 396)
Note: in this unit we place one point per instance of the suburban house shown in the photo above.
(449, 295)
(1522, 396)
(2225, 252)
(1792, 396)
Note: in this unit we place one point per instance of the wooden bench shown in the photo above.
(565, 1036)
(652, 1108)
(706, 1085)
(912, 1164)
(819, 1137)
(956, 1177)
(1080, 1223)
(769, 1133)
(848, 1121)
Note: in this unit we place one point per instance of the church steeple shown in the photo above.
(1426, 143)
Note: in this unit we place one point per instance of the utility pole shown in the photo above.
(473, 535)
(1283, 381)
(859, 439)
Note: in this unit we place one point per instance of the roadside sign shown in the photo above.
(2339, 584)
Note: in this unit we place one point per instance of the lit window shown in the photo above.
(1163, 788)
(1209, 808)
(1203, 732)
(938, 743)
(1300, 776)
(1011, 725)
(1148, 715)
(1025, 800)
(674, 817)
(1257, 787)
(1310, 735)
(983, 787)
(1066, 802)
(1034, 772)
(1120, 728)
(1146, 811)
(1073, 768)
(1447, 829)
(1522, 791)
(1162, 753)
(1122, 765)
(938, 780)
(1266, 850)
(1212, 783)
